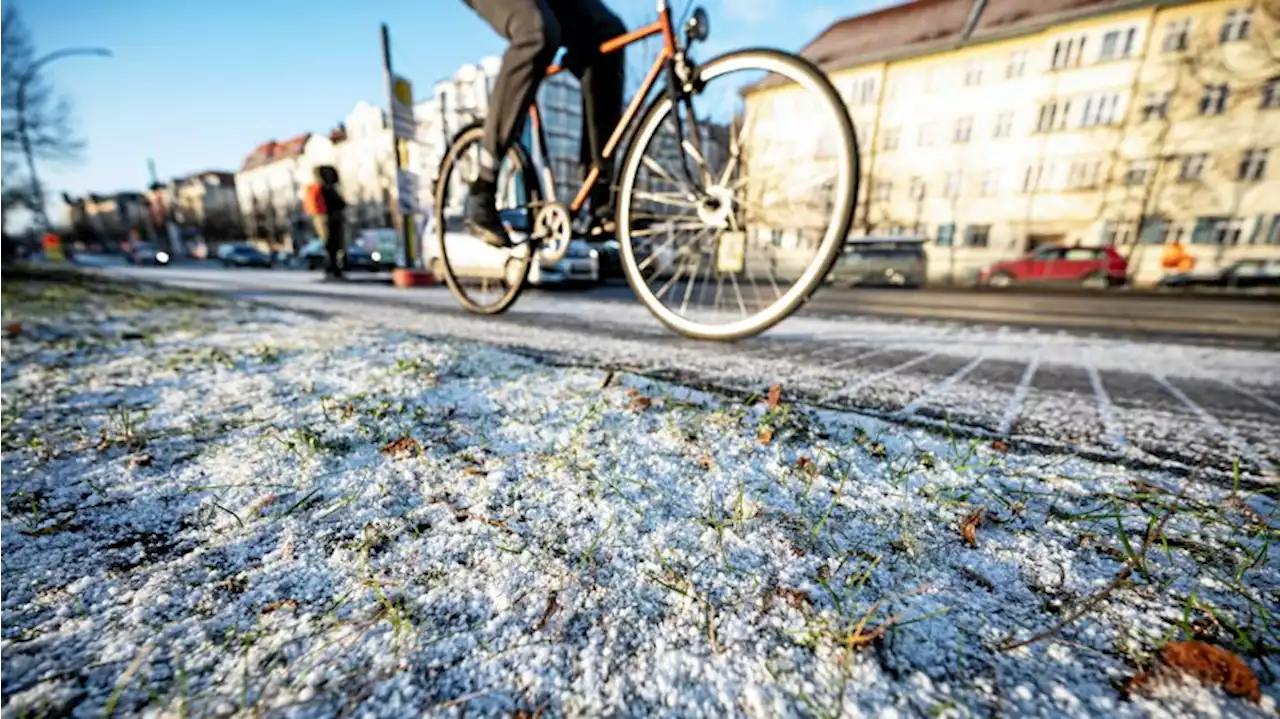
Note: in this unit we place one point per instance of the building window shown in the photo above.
(1017, 65)
(1221, 231)
(963, 130)
(1253, 165)
(1137, 172)
(892, 136)
(1235, 26)
(977, 235)
(1004, 124)
(1037, 177)
(1192, 169)
(863, 91)
(973, 74)
(1214, 99)
(1067, 53)
(1177, 35)
(946, 234)
(917, 188)
(1271, 94)
(1117, 44)
(882, 191)
(1156, 231)
(990, 183)
(1100, 110)
(1156, 106)
(924, 137)
(952, 187)
(1116, 233)
(1084, 174)
(1273, 234)
(1053, 116)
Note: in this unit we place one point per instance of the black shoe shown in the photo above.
(482, 216)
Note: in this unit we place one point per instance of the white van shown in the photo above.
(472, 257)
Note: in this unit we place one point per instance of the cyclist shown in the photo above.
(535, 30)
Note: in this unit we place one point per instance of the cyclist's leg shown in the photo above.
(534, 36)
(587, 24)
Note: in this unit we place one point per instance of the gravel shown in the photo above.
(241, 510)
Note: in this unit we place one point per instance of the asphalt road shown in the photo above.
(1135, 379)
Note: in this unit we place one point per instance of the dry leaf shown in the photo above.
(141, 460)
(639, 402)
(1000, 446)
(282, 604)
(1212, 665)
(805, 464)
(775, 396)
(406, 445)
(472, 470)
(766, 435)
(969, 527)
(706, 462)
(13, 328)
(546, 613)
(1141, 487)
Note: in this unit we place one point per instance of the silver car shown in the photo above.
(881, 262)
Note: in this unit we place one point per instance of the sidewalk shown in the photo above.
(221, 509)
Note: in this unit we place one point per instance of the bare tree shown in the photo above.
(30, 103)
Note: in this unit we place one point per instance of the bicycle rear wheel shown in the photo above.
(727, 230)
(484, 279)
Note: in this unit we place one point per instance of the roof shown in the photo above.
(913, 29)
(272, 151)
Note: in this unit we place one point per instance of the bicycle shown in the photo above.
(742, 233)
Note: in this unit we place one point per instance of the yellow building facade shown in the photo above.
(1026, 124)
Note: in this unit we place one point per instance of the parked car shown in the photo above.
(881, 262)
(145, 253)
(1244, 274)
(1092, 267)
(313, 257)
(241, 255)
(381, 244)
(471, 257)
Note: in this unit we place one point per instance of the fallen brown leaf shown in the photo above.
(13, 328)
(141, 460)
(1212, 665)
(639, 402)
(805, 464)
(766, 435)
(1000, 446)
(775, 396)
(706, 462)
(406, 445)
(969, 527)
(282, 604)
(546, 613)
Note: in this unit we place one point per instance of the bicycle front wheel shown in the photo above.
(735, 202)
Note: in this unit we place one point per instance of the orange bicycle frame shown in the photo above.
(660, 26)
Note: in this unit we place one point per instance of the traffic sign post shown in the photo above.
(403, 130)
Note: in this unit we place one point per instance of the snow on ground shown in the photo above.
(228, 509)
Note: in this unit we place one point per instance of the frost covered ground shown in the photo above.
(215, 509)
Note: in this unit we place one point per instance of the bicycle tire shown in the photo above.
(516, 153)
(805, 73)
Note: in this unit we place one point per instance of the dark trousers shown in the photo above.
(330, 230)
(536, 29)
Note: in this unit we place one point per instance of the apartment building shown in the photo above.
(995, 127)
(269, 191)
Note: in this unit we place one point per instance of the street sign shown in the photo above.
(403, 125)
(407, 191)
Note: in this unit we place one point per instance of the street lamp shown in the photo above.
(23, 135)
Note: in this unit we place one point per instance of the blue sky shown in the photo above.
(196, 85)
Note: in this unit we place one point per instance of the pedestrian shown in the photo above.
(323, 202)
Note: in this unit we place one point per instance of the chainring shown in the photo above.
(553, 229)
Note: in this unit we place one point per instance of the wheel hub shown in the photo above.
(715, 206)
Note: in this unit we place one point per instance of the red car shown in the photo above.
(1094, 267)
